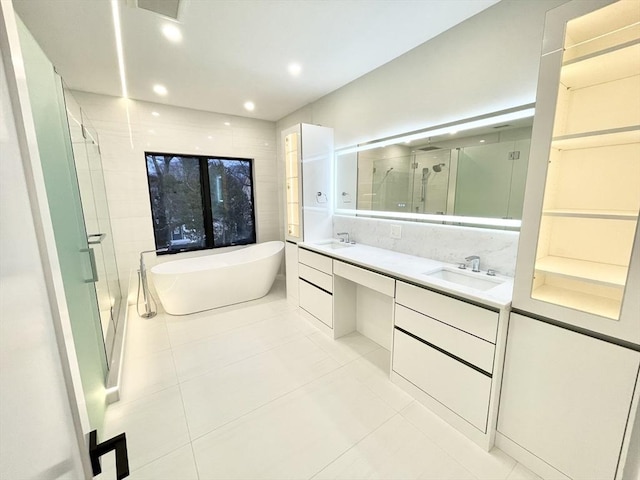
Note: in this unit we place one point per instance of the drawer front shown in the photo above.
(316, 277)
(455, 385)
(475, 320)
(316, 302)
(467, 347)
(374, 281)
(315, 260)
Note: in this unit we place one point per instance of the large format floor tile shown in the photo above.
(155, 425)
(255, 391)
(494, 465)
(294, 436)
(232, 391)
(395, 450)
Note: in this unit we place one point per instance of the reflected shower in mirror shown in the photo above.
(471, 172)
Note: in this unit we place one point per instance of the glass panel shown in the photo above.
(292, 178)
(231, 192)
(61, 182)
(96, 218)
(592, 192)
(176, 201)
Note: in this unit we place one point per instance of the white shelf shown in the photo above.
(593, 272)
(605, 307)
(602, 67)
(601, 214)
(602, 138)
(608, 65)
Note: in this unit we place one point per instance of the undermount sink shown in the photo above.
(334, 244)
(476, 280)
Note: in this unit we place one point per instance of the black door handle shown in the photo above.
(117, 443)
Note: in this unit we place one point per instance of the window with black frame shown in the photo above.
(200, 202)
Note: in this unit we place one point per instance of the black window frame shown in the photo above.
(207, 210)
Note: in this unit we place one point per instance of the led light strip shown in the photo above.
(454, 219)
(115, 9)
(450, 128)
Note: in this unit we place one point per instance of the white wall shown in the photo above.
(38, 434)
(175, 130)
(487, 63)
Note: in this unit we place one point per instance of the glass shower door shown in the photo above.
(86, 151)
(63, 196)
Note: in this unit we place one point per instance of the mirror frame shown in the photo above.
(514, 113)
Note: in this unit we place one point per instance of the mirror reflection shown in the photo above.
(476, 172)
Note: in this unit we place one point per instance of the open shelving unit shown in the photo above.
(592, 191)
(292, 179)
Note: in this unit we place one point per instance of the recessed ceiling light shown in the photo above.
(481, 141)
(294, 69)
(250, 106)
(172, 32)
(155, 114)
(227, 123)
(160, 89)
(209, 137)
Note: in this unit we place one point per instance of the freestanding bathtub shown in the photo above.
(195, 284)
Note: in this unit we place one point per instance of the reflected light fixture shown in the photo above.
(155, 114)
(515, 113)
(160, 89)
(250, 106)
(294, 69)
(171, 32)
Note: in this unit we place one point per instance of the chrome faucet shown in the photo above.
(475, 262)
(346, 239)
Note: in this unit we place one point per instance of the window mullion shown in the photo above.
(206, 202)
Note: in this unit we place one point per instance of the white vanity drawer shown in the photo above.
(316, 277)
(315, 260)
(475, 320)
(457, 386)
(374, 281)
(467, 347)
(316, 302)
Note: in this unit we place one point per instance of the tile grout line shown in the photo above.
(353, 446)
(339, 367)
(238, 360)
(184, 410)
(142, 397)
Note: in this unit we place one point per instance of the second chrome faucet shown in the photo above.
(475, 262)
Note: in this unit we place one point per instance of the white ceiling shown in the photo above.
(236, 50)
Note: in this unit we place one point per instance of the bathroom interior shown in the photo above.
(429, 270)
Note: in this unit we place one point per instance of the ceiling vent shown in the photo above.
(502, 126)
(428, 149)
(167, 8)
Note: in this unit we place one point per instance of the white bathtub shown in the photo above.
(195, 284)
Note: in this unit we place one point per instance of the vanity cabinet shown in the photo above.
(573, 417)
(447, 348)
(577, 261)
(315, 287)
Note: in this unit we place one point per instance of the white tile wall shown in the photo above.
(447, 243)
(176, 130)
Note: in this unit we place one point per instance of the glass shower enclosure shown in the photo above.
(95, 209)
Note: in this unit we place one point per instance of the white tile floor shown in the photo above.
(256, 392)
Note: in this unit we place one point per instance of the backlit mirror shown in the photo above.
(470, 172)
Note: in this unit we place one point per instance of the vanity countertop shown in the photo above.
(412, 269)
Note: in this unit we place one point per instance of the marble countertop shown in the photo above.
(414, 269)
